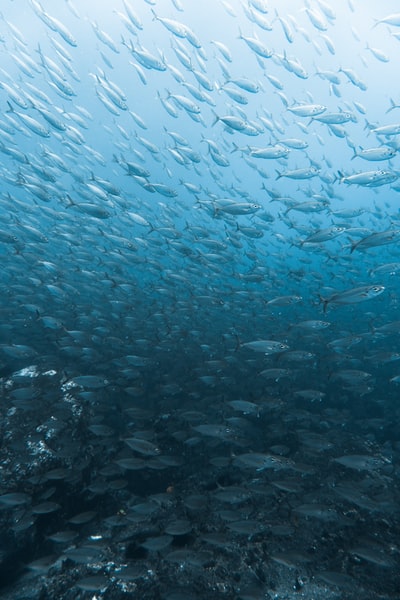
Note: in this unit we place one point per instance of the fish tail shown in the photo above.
(279, 174)
(371, 326)
(392, 105)
(216, 119)
(238, 342)
(355, 154)
(216, 211)
(70, 201)
(340, 176)
(323, 301)
(10, 108)
(368, 126)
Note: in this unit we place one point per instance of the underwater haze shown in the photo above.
(199, 335)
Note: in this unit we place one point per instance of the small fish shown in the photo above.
(309, 206)
(388, 268)
(387, 130)
(314, 325)
(272, 152)
(256, 46)
(306, 173)
(393, 19)
(353, 295)
(284, 300)
(307, 110)
(261, 462)
(378, 238)
(379, 54)
(236, 208)
(246, 84)
(323, 235)
(30, 123)
(369, 178)
(90, 381)
(335, 118)
(231, 121)
(142, 446)
(375, 154)
(265, 346)
(245, 407)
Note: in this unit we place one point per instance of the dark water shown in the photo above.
(199, 357)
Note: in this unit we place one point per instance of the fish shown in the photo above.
(235, 208)
(353, 295)
(307, 110)
(272, 152)
(265, 346)
(256, 46)
(369, 178)
(392, 19)
(30, 123)
(261, 462)
(305, 173)
(337, 118)
(387, 130)
(323, 235)
(375, 154)
(377, 238)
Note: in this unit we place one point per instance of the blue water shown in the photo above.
(152, 283)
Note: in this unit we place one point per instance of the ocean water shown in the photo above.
(199, 355)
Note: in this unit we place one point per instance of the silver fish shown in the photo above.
(353, 295)
(265, 346)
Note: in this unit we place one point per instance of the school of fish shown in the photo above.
(199, 245)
